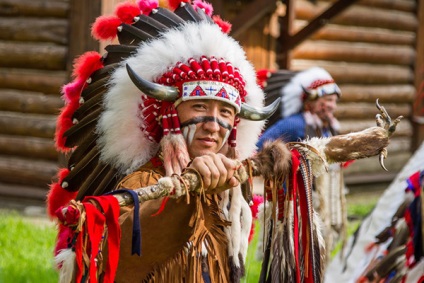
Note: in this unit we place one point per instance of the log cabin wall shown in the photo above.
(370, 50)
(33, 67)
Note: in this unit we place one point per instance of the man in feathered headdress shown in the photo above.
(175, 97)
(309, 99)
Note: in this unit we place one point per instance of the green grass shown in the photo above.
(26, 251)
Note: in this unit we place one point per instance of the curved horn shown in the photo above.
(154, 90)
(254, 114)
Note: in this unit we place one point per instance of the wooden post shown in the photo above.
(82, 16)
(418, 110)
(286, 29)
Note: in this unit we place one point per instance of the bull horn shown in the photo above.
(154, 90)
(254, 114)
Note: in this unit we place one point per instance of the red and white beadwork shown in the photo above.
(211, 90)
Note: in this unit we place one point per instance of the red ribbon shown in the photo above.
(93, 231)
(293, 187)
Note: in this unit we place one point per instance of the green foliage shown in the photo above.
(26, 250)
(253, 266)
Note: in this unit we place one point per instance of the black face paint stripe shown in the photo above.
(204, 119)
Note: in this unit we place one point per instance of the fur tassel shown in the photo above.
(146, 6)
(86, 64)
(275, 160)
(66, 260)
(224, 25)
(127, 12)
(105, 27)
(175, 153)
(207, 7)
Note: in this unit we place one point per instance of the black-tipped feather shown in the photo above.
(166, 17)
(149, 25)
(82, 150)
(82, 170)
(89, 105)
(94, 88)
(117, 53)
(106, 71)
(131, 35)
(76, 133)
(204, 16)
(89, 185)
(109, 182)
(186, 12)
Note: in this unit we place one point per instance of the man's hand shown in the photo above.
(217, 172)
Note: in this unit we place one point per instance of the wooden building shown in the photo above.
(373, 49)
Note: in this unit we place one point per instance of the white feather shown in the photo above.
(66, 259)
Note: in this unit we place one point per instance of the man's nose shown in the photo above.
(211, 125)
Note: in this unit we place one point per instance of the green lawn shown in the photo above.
(26, 251)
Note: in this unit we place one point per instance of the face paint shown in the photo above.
(189, 127)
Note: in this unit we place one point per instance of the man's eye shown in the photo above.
(227, 112)
(199, 106)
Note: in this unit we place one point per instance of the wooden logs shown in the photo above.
(355, 73)
(29, 147)
(355, 52)
(42, 126)
(34, 30)
(23, 193)
(34, 8)
(361, 110)
(360, 16)
(404, 128)
(33, 56)
(333, 32)
(370, 93)
(25, 171)
(29, 102)
(33, 80)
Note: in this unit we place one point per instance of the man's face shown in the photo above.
(206, 125)
(325, 106)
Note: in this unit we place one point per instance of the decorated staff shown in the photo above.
(176, 98)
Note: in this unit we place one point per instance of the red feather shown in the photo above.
(146, 6)
(86, 64)
(105, 27)
(262, 76)
(224, 25)
(174, 4)
(204, 5)
(64, 122)
(257, 200)
(58, 196)
(72, 90)
(127, 11)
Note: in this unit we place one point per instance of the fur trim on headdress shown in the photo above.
(122, 142)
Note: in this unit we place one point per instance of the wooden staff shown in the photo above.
(176, 185)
